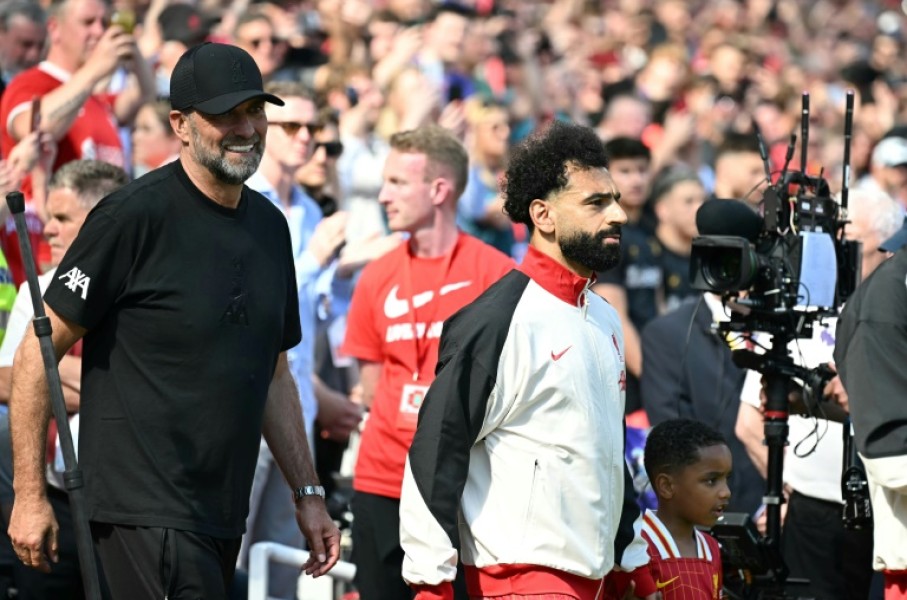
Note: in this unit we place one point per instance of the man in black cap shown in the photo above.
(182, 285)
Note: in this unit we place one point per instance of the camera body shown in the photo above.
(795, 270)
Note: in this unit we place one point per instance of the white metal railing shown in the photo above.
(263, 553)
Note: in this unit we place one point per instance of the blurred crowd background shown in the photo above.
(678, 75)
(677, 90)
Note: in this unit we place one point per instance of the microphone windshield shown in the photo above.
(728, 217)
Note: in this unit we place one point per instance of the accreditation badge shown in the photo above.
(410, 402)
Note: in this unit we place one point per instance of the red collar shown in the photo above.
(554, 277)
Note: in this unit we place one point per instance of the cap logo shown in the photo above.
(238, 75)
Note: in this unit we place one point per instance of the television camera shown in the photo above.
(780, 273)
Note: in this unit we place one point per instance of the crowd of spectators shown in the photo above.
(676, 89)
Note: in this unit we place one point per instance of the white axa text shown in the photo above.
(77, 280)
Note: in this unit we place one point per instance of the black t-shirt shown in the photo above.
(188, 305)
(656, 279)
(676, 284)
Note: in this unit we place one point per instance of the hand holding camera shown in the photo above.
(115, 48)
(124, 18)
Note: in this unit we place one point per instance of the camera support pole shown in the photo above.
(776, 429)
(72, 476)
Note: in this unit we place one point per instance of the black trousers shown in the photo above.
(377, 553)
(150, 563)
(815, 546)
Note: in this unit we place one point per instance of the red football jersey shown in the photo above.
(679, 578)
(93, 135)
(397, 295)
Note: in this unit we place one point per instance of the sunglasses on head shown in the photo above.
(291, 128)
(331, 149)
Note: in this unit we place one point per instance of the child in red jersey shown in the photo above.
(688, 464)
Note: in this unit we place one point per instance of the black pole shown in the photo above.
(848, 134)
(776, 429)
(804, 131)
(72, 476)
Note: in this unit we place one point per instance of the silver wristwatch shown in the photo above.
(307, 490)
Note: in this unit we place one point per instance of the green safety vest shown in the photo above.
(7, 295)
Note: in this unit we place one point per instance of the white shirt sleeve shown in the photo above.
(19, 319)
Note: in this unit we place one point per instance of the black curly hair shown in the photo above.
(538, 166)
(675, 444)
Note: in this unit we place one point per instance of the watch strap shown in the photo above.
(307, 490)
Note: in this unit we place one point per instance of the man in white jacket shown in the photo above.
(517, 467)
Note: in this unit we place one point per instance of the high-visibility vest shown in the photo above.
(7, 295)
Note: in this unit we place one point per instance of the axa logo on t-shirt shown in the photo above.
(77, 281)
(395, 307)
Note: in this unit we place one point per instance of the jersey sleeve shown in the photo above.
(94, 271)
(18, 96)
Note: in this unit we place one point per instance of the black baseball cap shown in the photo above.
(215, 79)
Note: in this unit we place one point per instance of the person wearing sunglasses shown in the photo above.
(316, 243)
(318, 176)
(254, 32)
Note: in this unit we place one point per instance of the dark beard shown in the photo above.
(591, 251)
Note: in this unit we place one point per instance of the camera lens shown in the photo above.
(723, 271)
(729, 266)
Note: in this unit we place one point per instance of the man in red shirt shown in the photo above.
(81, 54)
(399, 306)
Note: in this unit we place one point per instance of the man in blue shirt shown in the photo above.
(316, 242)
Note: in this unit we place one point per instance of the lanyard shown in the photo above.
(435, 301)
